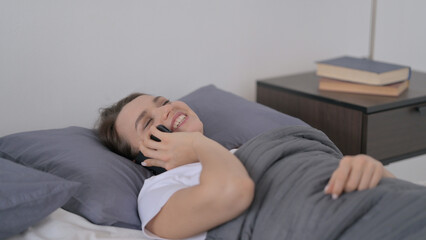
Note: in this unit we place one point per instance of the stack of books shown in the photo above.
(363, 76)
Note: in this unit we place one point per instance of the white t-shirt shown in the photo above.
(157, 190)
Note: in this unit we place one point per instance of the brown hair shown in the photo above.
(107, 131)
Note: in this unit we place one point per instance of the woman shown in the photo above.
(217, 187)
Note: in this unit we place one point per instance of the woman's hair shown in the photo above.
(107, 131)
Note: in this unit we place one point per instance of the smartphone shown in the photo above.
(140, 157)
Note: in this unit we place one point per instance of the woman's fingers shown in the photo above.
(153, 144)
(148, 142)
(367, 176)
(330, 186)
(359, 172)
(339, 178)
(173, 149)
(153, 159)
(377, 176)
(149, 152)
(158, 134)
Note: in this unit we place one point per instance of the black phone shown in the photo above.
(140, 157)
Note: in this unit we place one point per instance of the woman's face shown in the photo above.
(137, 116)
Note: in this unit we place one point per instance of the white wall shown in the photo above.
(60, 60)
(401, 32)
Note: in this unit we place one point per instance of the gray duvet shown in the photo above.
(291, 167)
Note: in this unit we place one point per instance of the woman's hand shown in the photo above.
(358, 172)
(225, 189)
(175, 149)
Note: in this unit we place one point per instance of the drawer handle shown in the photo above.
(422, 110)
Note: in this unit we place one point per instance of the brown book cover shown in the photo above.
(362, 70)
(393, 90)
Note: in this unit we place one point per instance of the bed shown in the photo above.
(62, 224)
(64, 184)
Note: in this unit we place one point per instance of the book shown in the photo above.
(363, 70)
(392, 90)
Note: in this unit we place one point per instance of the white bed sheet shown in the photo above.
(64, 225)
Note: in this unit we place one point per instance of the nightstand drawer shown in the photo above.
(396, 132)
(388, 128)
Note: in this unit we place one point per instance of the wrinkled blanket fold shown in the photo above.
(291, 167)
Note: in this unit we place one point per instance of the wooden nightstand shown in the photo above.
(387, 128)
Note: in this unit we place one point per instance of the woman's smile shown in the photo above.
(178, 120)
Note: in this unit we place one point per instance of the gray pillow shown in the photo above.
(110, 183)
(232, 120)
(28, 195)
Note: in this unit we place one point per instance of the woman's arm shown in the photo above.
(358, 172)
(224, 192)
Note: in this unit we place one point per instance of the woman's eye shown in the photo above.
(147, 123)
(166, 102)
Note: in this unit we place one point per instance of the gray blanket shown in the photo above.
(291, 167)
